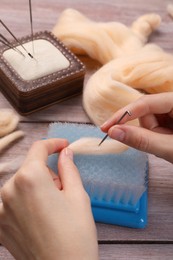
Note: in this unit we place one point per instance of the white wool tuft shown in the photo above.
(130, 66)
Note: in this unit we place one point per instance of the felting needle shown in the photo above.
(126, 112)
(8, 44)
(16, 38)
(31, 24)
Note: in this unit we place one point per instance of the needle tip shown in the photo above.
(103, 140)
(100, 143)
(30, 55)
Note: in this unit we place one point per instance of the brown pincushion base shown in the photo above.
(30, 95)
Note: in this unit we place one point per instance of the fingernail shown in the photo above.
(69, 153)
(104, 124)
(117, 134)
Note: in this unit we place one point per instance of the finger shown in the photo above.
(40, 150)
(147, 104)
(68, 172)
(144, 140)
(151, 122)
(55, 179)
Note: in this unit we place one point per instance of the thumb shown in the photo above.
(68, 172)
(144, 140)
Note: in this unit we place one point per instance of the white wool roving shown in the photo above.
(6, 140)
(104, 95)
(130, 65)
(117, 83)
(8, 123)
(90, 145)
(103, 41)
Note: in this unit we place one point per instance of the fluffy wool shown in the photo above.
(90, 146)
(131, 65)
(8, 123)
(6, 140)
(104, 41)
(118, 82)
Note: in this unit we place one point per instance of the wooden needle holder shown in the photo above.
(53, 75)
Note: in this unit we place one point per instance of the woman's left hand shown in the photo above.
(43, 217)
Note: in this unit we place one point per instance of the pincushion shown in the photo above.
(54, 74)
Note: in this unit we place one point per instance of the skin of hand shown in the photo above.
(155, 134)
(43, 216)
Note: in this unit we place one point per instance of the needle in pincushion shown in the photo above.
(31, 24)
(7, 43)
(5, 26)
(127, 112)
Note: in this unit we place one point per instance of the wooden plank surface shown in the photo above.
(136, 252)
(115, 241)
(114, 252)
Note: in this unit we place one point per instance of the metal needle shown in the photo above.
(7, 43)
(15, 38)
(127, 112)
(31, 24)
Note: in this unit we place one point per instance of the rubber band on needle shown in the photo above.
(127, 112)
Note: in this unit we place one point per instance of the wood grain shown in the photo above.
(115, 252)
(156, 241)
(136, 252)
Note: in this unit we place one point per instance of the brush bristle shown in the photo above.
(116, 179)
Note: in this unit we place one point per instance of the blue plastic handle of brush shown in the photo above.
(113, 205)
(121, 216)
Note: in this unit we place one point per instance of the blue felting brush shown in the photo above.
(116, 183)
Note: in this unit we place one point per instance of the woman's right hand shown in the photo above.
(155, 114)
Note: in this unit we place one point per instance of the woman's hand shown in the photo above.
(45, 217)
(155, 114)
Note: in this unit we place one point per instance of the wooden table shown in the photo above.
(156, 241)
